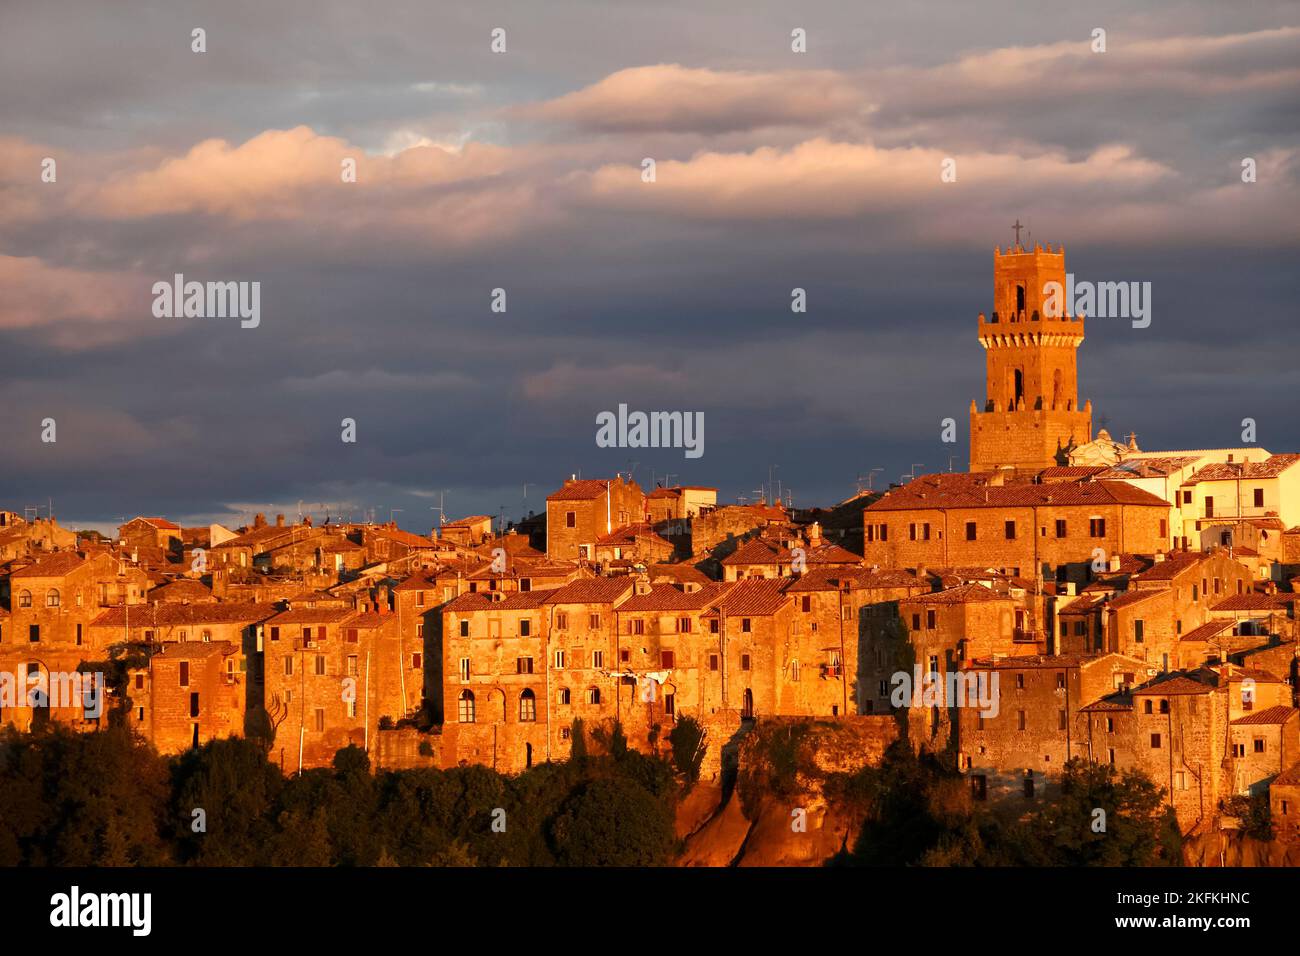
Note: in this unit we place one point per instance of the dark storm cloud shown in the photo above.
(522, 171)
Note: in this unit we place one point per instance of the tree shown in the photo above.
(613, 822)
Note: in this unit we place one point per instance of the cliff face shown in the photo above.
(777, 813)
(1234, 849)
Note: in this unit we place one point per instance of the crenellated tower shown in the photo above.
(1031, 416)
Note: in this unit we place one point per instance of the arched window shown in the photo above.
(593, 695)
(24, 598)
(527, 706)
(52, 597)
(465, 707)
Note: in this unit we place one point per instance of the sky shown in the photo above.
(522, 170)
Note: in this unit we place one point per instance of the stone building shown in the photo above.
(585, 510)
(190, 693)
(1058, 529)
(1031, 417)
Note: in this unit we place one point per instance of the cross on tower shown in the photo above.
(1017, 227)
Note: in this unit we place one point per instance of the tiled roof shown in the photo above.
(508, 601)
(630, 533)
(1147, 467)
(171, 614)
(1029, 662)
(962, 594)
(1206, 631)
(1173, 686)
(943, 491)
(312, 615)
(665, 597)
(583, 489)
(590, 591)
(1231, 470)
(191, 650)
(1059, 472)
(1110, 704)
(1270, 715)
(183, 589)
(52, 566)
(753, 597)
(1289, 778)
(466, 522)
(1175, 563)
(1137, 596)
(683, 572)
(829, 578)
(162, 523)
(1255, 602)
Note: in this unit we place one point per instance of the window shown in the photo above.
(527, 707)
(1164, 527)
(1259, 745)
(1060, 528)
(683, 625)
(1209, 506)
(925, 531)
(559, 660)
(1060, 682)
(1146, 707)
(713, 662)
(34, 633)
(805, 603)
(52, 597)
(916, 622)
(1020, 720)
(929, 620)
(638, 626)
(464, 628)
(1062, 723)
(1020, 681)
(744, 662)
(562, 620)
(1139, 630)
(523, 665)
(570, 519)
(1259, 497)
(911, 531)
(670, 705)
(666, 659)
(352, 665)
(970, 530)
(465, 707)
(1096, 527)
(288, 665)
(794, 670)
(713, 626)
(1155, 741)
(194, 704)
(275, 634)
(1029, 784)
(24, 598)
(185, 673)
(593, 622)
(1164, 706)
(593, 695)
(320, 719)
(464, 668)
(320, 665)
(525, 627)
(745, 625)
(1010, 528)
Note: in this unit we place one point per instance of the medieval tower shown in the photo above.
(1031, 416)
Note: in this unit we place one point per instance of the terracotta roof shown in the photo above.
(183, 589)
(832, 578)
(665, 597)
(754, 551)
(942, 491)
(1206, 631)
(509, 601)
(630, 533)
(678, 572)
(753, 597)
(466, 522)
(590, 591)
(1109, 704)
(1059, 472)
(1255, 602)
(583, 489)
(171, 614)
(191, 650)
(1136, 596)
(1175, 563)
(52, 566)
(160, 523)
(1270, 715)
(1147, 467)
(312, 615)
(1232, 470)
(962, 594)
(1173, 686)
(1289, 778)
(1029, 662)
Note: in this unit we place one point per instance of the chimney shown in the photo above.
(279, 521)
(815, 535)
(1159, 555)
(259, 520)
(1114, 563)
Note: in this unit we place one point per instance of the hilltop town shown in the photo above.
(1127, 607)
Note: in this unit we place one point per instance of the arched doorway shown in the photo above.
(747, 704)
